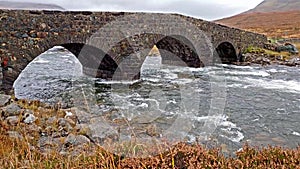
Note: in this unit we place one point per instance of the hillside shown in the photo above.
(274, 18)
(28, 5)
(276, 6)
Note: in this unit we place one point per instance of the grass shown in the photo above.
(270, 53)
(18, 154)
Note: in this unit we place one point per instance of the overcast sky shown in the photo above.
(206, 9)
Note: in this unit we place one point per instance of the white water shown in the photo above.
(260, 100)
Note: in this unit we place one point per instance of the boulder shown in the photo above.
(76, 140)
(4, 99)
(12, 110)
(29, 118)
(99, 131)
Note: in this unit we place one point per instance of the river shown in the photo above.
(259, 105)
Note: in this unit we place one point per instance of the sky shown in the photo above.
(204, 9)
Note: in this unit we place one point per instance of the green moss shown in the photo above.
(252, 49)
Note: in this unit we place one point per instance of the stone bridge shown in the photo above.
(113, 45)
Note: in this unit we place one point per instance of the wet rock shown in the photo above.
(33, 34)
(64, 124)
(15, 135)
(4, 99)
(13, 120)
(42, 34)
(43, 25)
(99, 132)
(76, 140)
(12, 110)
(262, 60)
(49, 144)
(280, 57)
(82, 116)
(25, 35)
(81, 128)
(29, 118)
(293, 62)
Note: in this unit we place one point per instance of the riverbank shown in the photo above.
(36, 135)
(265, 57)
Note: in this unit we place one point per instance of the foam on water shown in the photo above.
(134, 102)
(237, 67)
(230, 130)
(254, 73)
(285, 85)
(126, 82)
(296, 133)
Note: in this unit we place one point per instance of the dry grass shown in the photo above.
(17, 154)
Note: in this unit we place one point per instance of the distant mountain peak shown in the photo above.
(274, 18)
(28, 6)
(276, 6)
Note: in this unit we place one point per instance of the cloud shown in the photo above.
(202, 9)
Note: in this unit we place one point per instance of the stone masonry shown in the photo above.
(113, 45)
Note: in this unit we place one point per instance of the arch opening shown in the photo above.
(95, 62)
(47, 75)
(181, 47)
(226, 52)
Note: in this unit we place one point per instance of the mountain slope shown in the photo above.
(274, 18)
(28, 5)
(276, 6)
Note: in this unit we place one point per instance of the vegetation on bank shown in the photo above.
(258, 50)
(17, 154)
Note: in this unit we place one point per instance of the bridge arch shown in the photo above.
(95, 62)
(178, 50)
(226, 52)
